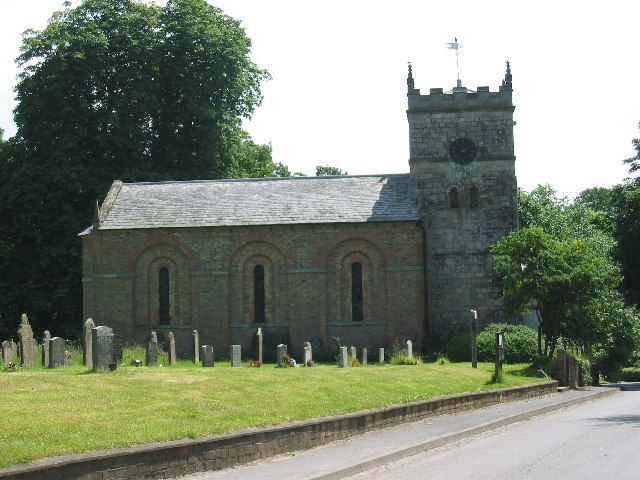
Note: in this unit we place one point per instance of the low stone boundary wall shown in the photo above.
(182, 457)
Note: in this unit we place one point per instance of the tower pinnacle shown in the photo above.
(506, 83)
(410, 83)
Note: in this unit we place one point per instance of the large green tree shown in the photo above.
(115, 89)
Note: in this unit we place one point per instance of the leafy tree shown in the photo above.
(568, 282)
(328, 170)
(634, 162)
(114, 89)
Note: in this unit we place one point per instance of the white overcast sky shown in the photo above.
(338, 94)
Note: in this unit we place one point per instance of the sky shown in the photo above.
(339, 68)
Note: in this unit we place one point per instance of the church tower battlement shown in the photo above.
(462, 166)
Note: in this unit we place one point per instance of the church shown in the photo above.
(363, 260)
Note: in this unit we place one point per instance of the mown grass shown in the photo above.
(69, 409)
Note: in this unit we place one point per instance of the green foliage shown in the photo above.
(630, 374)
(114, 89)
(328, 170)
(400, 358)
(520, 344)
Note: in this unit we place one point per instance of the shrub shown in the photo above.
(630, 374)
(402, 358)
(520, 344)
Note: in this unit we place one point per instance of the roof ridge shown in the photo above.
(264, 179)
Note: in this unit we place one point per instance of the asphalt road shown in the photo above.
(597, 440)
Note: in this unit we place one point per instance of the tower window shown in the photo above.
(454, 200)
(356, 292)
(258, 293)
(474, 197)
(163, 296)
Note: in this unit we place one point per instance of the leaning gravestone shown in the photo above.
(207, 356)
(364, 357)
(27, 343)
(354, 353)
(409, 348)
(56, 352)
(102, 340)
(172, 349)
(235, 355)
(196, 347)
(152, 350)
(344, 359)
(381, 356)
(281, 352)
(87, 352)
(45, 349)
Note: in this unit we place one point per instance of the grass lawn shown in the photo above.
(69, 409)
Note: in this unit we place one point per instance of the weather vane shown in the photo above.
(456, 46)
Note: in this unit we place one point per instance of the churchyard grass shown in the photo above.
(70, 409)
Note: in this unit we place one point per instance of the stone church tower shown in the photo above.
(462, 167)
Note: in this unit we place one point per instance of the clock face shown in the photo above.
(463, 151)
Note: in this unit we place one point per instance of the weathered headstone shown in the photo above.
(381, 356)
(364, 357)
(172, 349)
(8, 351)
(87, 352)
(45, 349)
(56, 352)
(354, 353)
(102, 347)
(344, 359)
(117, 348)
(259, 334)
(281, 352)
(235, 355)
(409, 348)
(196, 346)
(27, 343)
(67, 358)
(207, 356)
(308, 353)
(152, 350)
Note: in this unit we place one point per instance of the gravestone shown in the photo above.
(8, 351)
(117, 348)
(136, 362)
(196, 347)
(172, 349)
(152, 350)
(27, 343)
(354, 353)
(67, 358)
(45, 349)
(381, 356)
(259, 334)
(56, 352)
(364, 357)
(281, 352)
(87, 352)
(102, 347)
(499, 352)
(235, 355)
(344, 359)
(409, 348)
(207, 356)
(308, 353)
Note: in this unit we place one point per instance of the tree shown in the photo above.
(115, 89)
(568, 281)
(328, 170)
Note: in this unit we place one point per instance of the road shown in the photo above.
(596, 440)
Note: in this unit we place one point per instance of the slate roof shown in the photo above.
(266, 201)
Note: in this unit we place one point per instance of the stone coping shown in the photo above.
(182, 457)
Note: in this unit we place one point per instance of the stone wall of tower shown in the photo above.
(459, 267)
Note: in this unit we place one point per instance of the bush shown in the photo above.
(630, 374)
(520, 344)
(401, 358)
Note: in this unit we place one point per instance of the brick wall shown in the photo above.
(307, 284)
